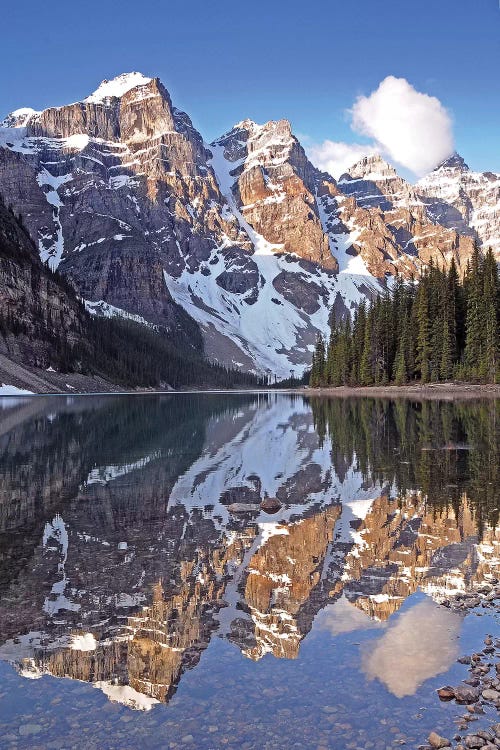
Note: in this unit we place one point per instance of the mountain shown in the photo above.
(464, 200)
(451, 197)
(243, 236)
(377, 187)
(124, 198)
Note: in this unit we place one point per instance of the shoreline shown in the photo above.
(439, 391)
(429, 392)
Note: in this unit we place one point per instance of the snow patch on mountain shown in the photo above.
(19, 117)
(342, 242)
(103, 309)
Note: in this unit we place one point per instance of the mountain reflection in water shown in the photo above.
(124, 550)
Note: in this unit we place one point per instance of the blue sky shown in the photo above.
(308, 62)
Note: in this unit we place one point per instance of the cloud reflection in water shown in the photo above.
(422, 643)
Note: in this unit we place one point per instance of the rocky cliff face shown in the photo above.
(104, 189)
(244, 235)
(39, 315)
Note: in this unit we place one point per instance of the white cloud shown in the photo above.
(406, 126)
(412, 128)
(336, 157)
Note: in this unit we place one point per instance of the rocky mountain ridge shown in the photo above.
(245, 235)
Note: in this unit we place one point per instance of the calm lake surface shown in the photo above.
(147, 600)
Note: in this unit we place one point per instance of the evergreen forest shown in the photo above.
(442, 328)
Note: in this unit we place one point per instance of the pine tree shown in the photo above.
(358, 337)
(401, 359)
(473, 323)
(423, 345)
(446, 364)
(365, 366)
(318, 364)
(454, 310)
(329, 375)
(490, 318)
(400, 370)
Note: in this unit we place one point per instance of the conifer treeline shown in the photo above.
(440, 329)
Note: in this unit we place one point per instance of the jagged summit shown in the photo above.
(249, 124)
(373, 167)
(277, 129)
(117, 87)
(246, 124)
(455, 161)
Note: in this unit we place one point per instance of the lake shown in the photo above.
(241, 570)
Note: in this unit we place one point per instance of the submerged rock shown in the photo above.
(271, 505)
(490, 695)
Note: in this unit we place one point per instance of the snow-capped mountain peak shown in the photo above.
(19, 118)
(455, 161)
(117, 87)
(464, 200)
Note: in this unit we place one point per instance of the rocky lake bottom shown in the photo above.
(249, 571)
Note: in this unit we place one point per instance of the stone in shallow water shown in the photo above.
(446, 693)
(438, 742)
(466, 694)
(491, 695)
(27, 729)
(474, 741)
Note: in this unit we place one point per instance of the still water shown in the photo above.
(240, 571)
